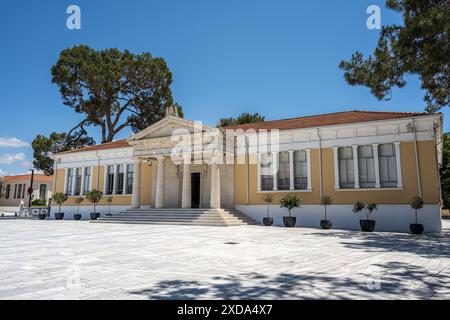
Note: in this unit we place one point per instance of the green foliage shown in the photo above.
(44, 147)
(326, 200)
(79, 200)
(358, 206)
(60, 198)
(268, 198)
(416, 203)
(445, 171)
(113, 89)
(371, 207)
(243, 118)
(290, 201)
(38, 203)
(419, 46)
(94, 196)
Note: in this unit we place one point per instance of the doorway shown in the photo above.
(195, 190)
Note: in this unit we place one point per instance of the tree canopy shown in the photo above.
(420, 46)
(44, 147)
(113, 89)
(445, 171)
(243, 118)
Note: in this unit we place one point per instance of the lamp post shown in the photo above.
(30, 189)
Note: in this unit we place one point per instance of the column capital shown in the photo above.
(375, 145)
(397, 143)
(335, 148)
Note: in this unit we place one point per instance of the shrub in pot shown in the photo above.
(59, 198)
(268, 221)
(326, 201)
(367, 225)
(94, 197)
(78, 201)
(416, 203)
(290, 202)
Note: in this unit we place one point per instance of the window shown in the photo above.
(120, 176)
(300, 170)
(130, 177)
(15, 191)
(346, 168)
(110, 180)
(8, 191)
(266, 172)
(19, 191)
(69, 181)
(366, 165)
(87, 180)
(42, 192)
(283, 175)
(23, 191)
(388, 165)
(78, 177)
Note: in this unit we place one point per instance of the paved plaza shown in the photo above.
(81, 260)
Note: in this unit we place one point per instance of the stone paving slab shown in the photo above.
(80, 260)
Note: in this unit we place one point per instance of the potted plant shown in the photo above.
(367, 225)
(94, 197)
(416, 203)
(109, 200)
(268, 221)
(326, 201)
(78, 201)
(290, 202)
(59, 198)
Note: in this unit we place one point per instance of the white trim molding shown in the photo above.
(399, 165)
(337, 184)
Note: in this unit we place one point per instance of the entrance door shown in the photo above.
(195, 190)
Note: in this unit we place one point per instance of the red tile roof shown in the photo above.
(330, 119)
(27, 177)
(103, 146)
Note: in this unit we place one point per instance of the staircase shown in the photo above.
(193, 217)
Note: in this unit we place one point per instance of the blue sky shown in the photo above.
(278, 58)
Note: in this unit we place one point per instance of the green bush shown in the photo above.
(326, 201)
(38, 203)
(290, 202)
(60, 198)
(416, 203)
(94, 197)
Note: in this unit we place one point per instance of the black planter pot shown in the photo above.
(367, 225)
(93, 216)
(77, 216)
(42, 216)
(98, 214)
(326, 224)
(59, 215)
(416, 228)
(289, 221)
(268, 221)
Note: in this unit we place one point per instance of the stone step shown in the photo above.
(168, 223)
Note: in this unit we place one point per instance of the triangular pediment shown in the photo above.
(167, 127)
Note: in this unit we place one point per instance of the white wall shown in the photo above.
(388, 217)
(85, 211)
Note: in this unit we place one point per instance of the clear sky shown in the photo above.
(279, 58)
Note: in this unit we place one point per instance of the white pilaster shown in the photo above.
(105, 180)
(66, 176)
(336, 168)
(308, 168)
(291, 170)
(186, 188)
(275, 170)
(258, 169)
(125, 178)
(215, 186)
(83, 169)
(116, 178)
(136, 195)
(377, 166)
(74, 180)
(356, 165)
(399, 165)
(159, 201)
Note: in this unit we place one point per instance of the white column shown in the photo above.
(308, 167)
(116, 178)
(291, 170)
(275, 170)
(377, 166)
(336, 168)
(215, 186)
(83, 169)
(186, 188)
(66, 176)
(125, 178)
(74, 180)
(399, 165)
(136, 195)
(258, 171)
(105, 180)
(356, 165)
(159, 202)
(91, 178)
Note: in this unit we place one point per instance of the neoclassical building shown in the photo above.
(375, 157)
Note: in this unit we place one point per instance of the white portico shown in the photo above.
(183, 174)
